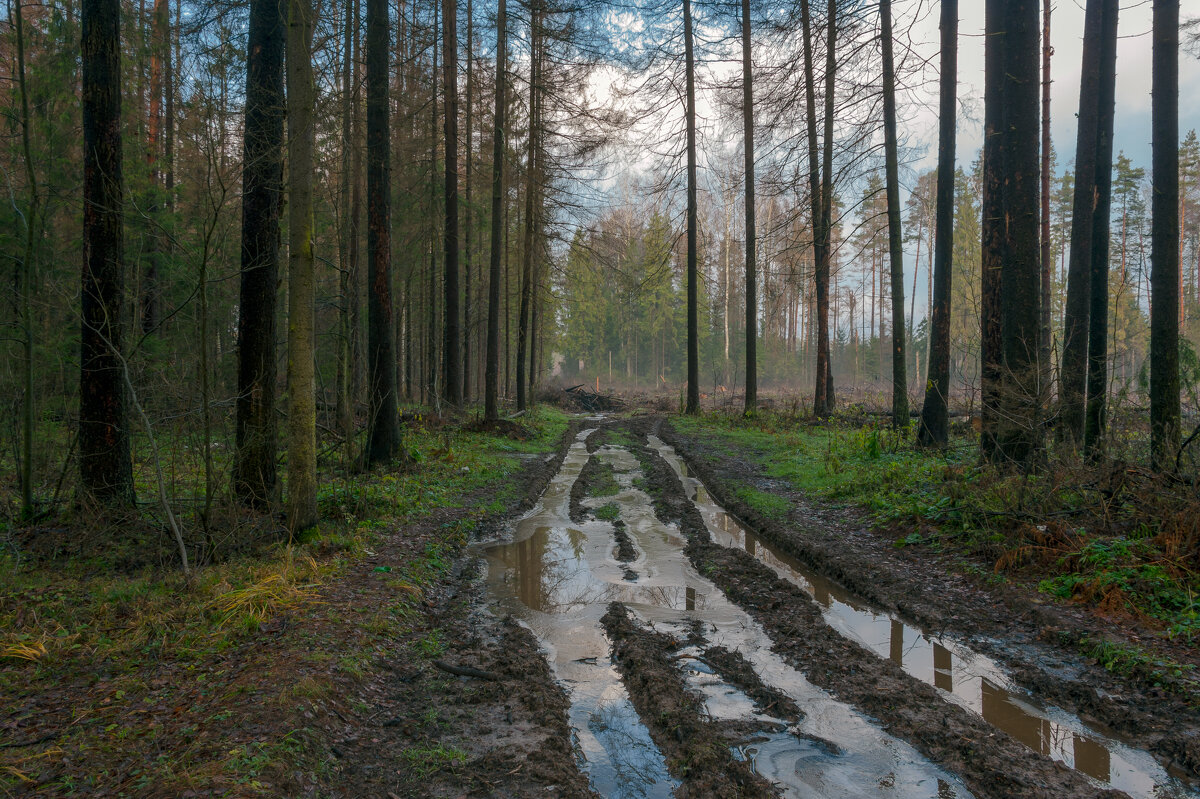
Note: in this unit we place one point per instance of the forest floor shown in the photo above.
(633, 605)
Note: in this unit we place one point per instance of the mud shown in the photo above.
(1010, 623)
(560, 578)
(696, 748)
(417, 731)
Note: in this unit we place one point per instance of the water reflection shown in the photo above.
(558, 578)
(971, 680)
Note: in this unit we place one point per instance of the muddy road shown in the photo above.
(702, 659)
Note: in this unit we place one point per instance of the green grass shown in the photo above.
(609, 512)
(1123, 551)
(61, 616)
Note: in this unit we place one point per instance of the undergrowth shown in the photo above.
(101, 634)
(1113, 535)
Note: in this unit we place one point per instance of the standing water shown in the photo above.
(966, 678)
(558, 577)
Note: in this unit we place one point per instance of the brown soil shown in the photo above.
(419, 731)
(989, 762)
(697, 750)
(1012, 623)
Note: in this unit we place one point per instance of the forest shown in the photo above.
(662, 398)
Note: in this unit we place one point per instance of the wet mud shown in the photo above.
(697, 749)
(1009, 628)
(560, 578)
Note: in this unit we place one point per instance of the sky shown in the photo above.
(1132, 120)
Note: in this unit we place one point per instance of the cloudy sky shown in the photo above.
(1132, 121)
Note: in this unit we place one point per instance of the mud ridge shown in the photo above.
(925, 589)
(422, 732)
(991, 763)
(697, 751)
(737, 671)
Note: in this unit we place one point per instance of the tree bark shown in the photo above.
(1012, 397)
(468, 215)
(1020, 430)
(693, 333)
(1044, 356)
(934, 427)
(751, 268)
(895, 233)
(1164, 239)
(383, 434)
(451, 301)
(1097, 362)
(524, 331)
(346, 272)
(27, 272)
(254, 476)
(491, 390)
(815, 192)
(992, 224)
(1073, 371)
(301, 374)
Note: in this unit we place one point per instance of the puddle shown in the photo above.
(558, 577)
(967, 678)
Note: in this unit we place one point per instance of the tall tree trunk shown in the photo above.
(346, 278)
(895, 234)
(469, 211)
(527, 251)
(1044, 357)
(827, 182)
(383, 435)
(693, 318)
(1020, 431)
(992, 224)
(432, 339)
(815, 193)
(160, 49)
(748, 138)
(301, 373)
(1164, 243)
(934, 427)
(491, 390)
(1097, 362)
(254, 475)
(451, 332)
(1073, 371)
(27, 272)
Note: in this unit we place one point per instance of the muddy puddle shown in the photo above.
(558, 577)
(967, 678)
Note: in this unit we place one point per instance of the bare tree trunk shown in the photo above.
(27, 272)
(816, 193)
(693, 319)
(254, 476)
(452, 366)
(492, 374)
(383, 436)
(934, 428)
(345, 402)
(301, 373)
(992, 218)
(895, 233)
(748, 137)
(1044, 357)
(527, 253)
(1096, 412)
(468, 313)
(1164, 252)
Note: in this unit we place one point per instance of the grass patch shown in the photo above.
(125, 661)
(609, 512)
(1109, 536)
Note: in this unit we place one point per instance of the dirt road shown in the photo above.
(701, 656)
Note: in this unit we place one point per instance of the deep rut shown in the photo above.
(698, 669)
